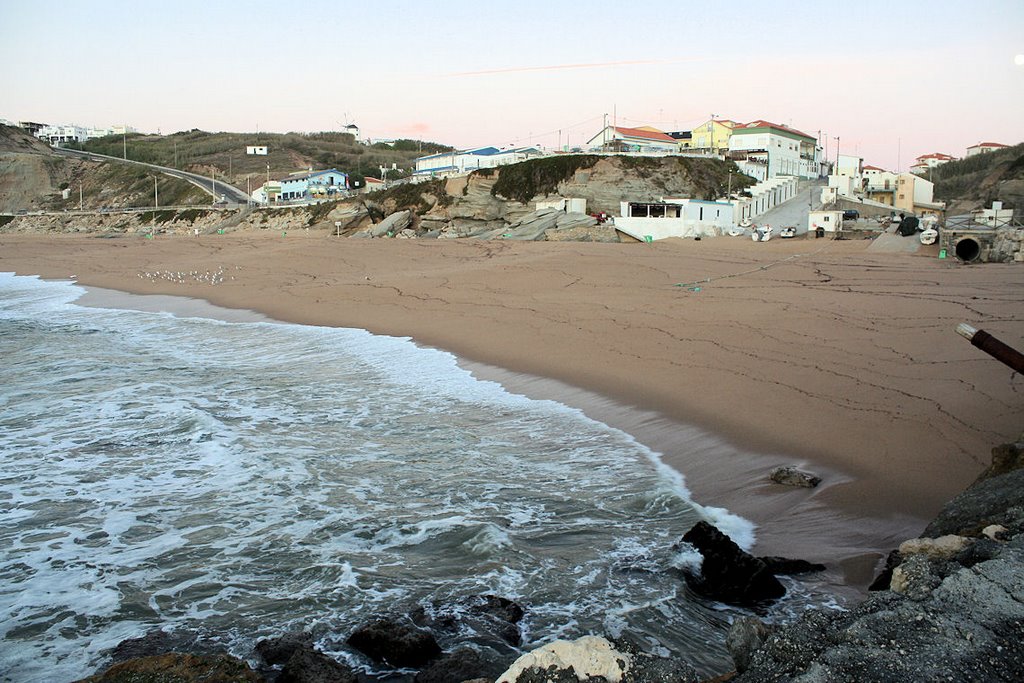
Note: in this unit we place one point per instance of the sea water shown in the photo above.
(244, 479)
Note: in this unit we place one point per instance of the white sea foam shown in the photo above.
(244, 478)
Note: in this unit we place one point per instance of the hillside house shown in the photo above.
(780, 149)
(914, 195)
(934, 159)
(313, 185)
(879, 185)
(984, 147)
(619, 139)
(712, 136)
(459, 162)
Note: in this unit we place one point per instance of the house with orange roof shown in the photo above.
(712, 136)
(932, 160)
(620, 139)
(985, 147)
(780, 149)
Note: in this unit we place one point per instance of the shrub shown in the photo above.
(524, 181)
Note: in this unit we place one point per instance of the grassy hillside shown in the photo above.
(980, 179)
(224, 153)
(33, 177)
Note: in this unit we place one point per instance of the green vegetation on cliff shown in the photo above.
(979, 178)
(707, 178)
(528, 179)
(420, 197)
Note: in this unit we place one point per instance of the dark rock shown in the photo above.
(745, 635)
(494, 620)
(463, 664)
(280, 649)
(176, 667)
(648, 668)
(969, 627)
(396, 644)
(309, 665)
(159, 642)
(729, 574)
(881, 582)
(793, 476)
(1005, 458)
(996, 500)
(788, 567)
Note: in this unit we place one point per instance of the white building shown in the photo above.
(879, 185)
(829, 221)
(780, 149)
(466, 161)
(619, 139)
(55, 135)
(984, 147)
(932, 160)
(850, 165)
(258, 150)
(674, 217)
(313, 185)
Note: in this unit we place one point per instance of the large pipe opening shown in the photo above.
(968, 250)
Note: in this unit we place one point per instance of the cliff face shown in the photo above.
(33, 178)
(25, 170)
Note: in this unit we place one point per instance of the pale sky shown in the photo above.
(893, 80)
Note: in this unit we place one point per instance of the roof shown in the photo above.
(761, 123)
(645, 134)
(936, 155)
(988, 144)
(311, 174)
(873, 168)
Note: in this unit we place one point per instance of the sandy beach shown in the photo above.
(727, 356)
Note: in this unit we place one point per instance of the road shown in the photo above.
(793, 212)
(215, 188)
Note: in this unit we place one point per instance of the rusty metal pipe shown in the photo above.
(992, 346)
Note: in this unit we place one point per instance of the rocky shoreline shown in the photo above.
(948, 606)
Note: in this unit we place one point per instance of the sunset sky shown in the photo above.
(891, 80)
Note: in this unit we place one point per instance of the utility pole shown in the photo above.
(124, 143)
(156, 195)
(175, 153)
(79, 196)
(837, 155)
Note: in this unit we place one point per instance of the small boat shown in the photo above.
(735, 231)
(787, 232)
(929, 236)
(746, 223)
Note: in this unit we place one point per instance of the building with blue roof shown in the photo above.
(460, 162)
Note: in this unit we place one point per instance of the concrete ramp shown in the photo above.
(894, 243)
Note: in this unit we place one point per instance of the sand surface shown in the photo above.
(818, 353)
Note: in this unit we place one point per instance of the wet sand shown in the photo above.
(727, 356)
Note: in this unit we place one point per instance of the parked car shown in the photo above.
(851, 215)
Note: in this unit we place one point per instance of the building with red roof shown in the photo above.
(621, 139)
(984, 147)
(781, 149)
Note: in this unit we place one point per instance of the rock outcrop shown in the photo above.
(790, 475)
(395, 642)
(728, 573)
(950, 605)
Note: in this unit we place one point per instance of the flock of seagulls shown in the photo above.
(214, 277)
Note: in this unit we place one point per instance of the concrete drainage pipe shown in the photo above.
(967, 250)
